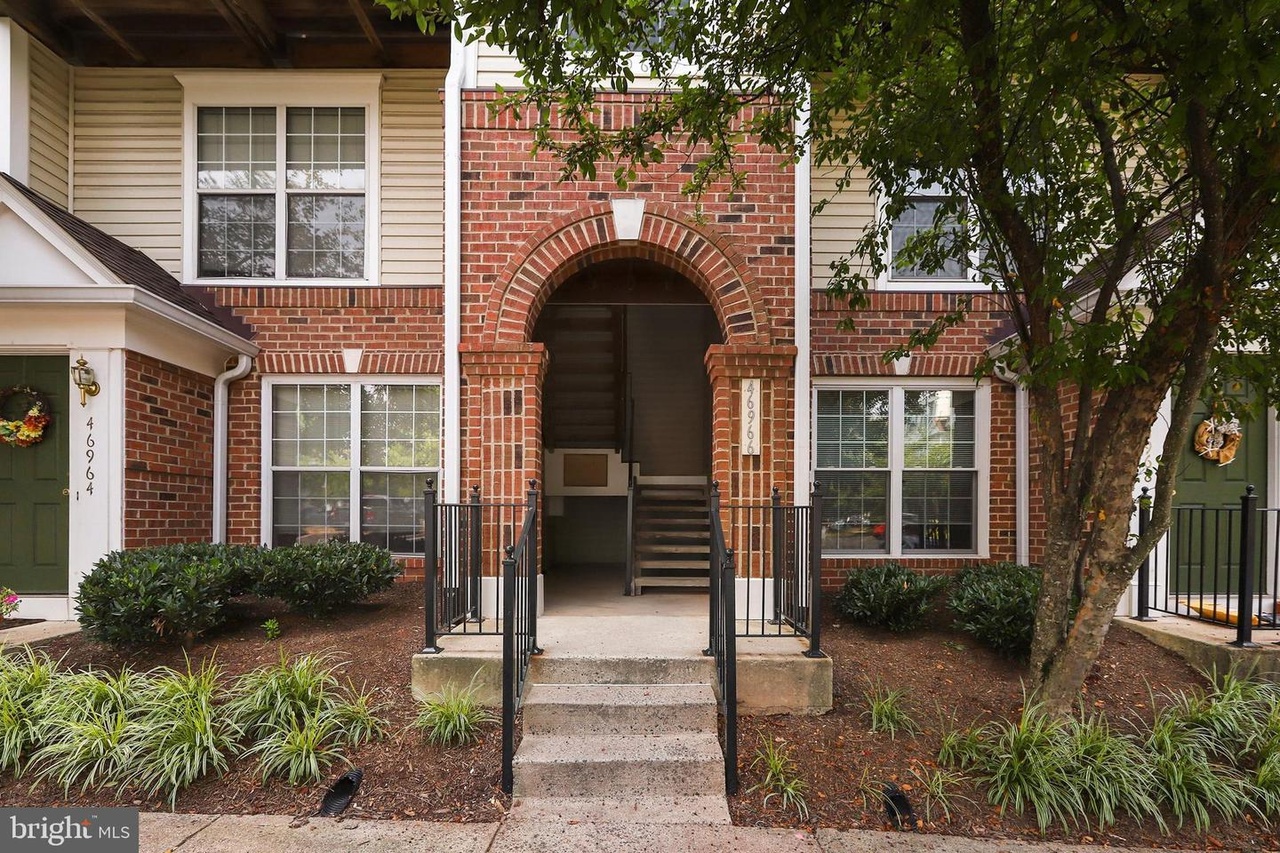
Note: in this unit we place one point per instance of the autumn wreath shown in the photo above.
(29, 429)
(1218, 439)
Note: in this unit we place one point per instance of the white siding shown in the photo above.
(412, 178)
(128, 158)
(495, 67)
(50, 122)
(842, 221)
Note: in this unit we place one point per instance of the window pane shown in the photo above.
(853, 429)
(326, 236)
(939, 429)
(325, 148)
(916, 219)
(237, 236)
(309, 507)
(236, 148)
(391, 510)
(400, 426)
(938, 510)
(312, 426)
(855, 510)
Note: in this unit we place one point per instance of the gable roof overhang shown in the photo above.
(77, 267)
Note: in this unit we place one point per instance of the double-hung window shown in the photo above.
(281, 180)
(951, 262)
(348, 461)
(903, 469)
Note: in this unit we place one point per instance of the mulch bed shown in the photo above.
(952, 682)
(948, 678)
(404, 777)
(6, 624)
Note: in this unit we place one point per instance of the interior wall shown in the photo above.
(666, 347)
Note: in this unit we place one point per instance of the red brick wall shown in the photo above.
(886, 321)
(168, 446)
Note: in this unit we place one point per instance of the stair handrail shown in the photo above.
(519, 627)
(722, 639)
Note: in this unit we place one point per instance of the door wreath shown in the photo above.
(29, 429)
(1218, 439)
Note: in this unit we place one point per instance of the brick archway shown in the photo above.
(575, 241)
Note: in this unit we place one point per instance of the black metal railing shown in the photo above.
(722, 641)
(519, 627)
(1216, 564)
(462, 544)
(778, 553)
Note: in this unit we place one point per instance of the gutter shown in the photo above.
(221, 416)
(803, 304)
(453, 81)
(1022, 462)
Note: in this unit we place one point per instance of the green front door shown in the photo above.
(1205, 542)
(33, 506)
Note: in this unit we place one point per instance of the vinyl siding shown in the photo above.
(128, 158)
(50, 124)
(412, 178)
(496, 67)
(841, 222)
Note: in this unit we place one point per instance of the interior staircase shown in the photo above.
(583, 395)
(672, 539)
(620, 740)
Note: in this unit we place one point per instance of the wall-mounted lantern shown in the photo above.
(82, 375)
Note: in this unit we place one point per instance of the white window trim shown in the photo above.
(896, 386)
(283, 89)
(266, 525)
(970, 282)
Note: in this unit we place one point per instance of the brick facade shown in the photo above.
(524, 233)
(168, 443)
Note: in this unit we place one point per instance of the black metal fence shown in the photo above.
(519, 627)
(778, 559)
(1216, 564)
(468, 541)
(722, 639)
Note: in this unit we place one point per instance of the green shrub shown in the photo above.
(321, 579)
(23, 680)
(996, 605)
(453, 716)
(888, 595)
(169, 592)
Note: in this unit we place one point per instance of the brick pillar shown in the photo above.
(502, 418)
(750, 479)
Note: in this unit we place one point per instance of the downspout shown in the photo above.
(221, 416)
(803, 305)
(1022, 462)
(453, 82)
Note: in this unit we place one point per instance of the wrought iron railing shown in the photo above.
(722, 639)
(1216, 564)
(519, 627)
(463, 544)
(778, 557)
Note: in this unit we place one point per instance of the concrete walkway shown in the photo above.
(38, 631)
(270, 834)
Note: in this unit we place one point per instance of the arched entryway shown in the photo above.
(604, 256)
(626, 430)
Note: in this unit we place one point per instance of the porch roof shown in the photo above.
(229, 33)
(129, 265)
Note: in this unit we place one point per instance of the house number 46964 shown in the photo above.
(88, 457)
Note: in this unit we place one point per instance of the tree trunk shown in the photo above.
(1060, 690)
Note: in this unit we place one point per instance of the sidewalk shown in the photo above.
(163, 832)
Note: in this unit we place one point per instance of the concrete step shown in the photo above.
(618, 709)
(645, 810)
(671, 564)
(608, 765)
(656, 581)
(557, 669)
